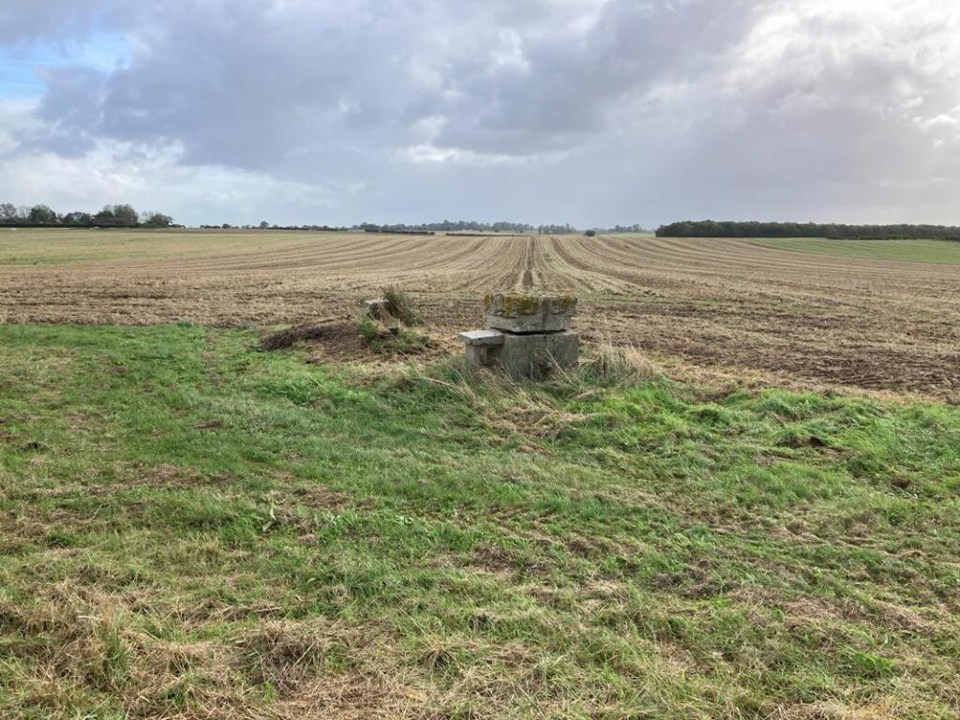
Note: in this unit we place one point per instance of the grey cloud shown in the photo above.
(22, 22)
(251, 83)
(572, 87)
(841, 133)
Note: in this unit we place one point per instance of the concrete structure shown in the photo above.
(529, 313)
(483, 347)
(527, 336)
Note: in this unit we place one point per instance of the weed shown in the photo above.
(617, 364)
(392, 339)
(400, 306)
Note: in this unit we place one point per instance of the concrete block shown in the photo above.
(483, 347)
(518, 313)
(536, 356)
(482, 337)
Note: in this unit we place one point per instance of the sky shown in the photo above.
(589, 112)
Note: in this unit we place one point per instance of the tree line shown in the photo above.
(470, 226)
(123, 216)
(462, 227)
(832, 231)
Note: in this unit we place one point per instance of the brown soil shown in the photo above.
(723, 305)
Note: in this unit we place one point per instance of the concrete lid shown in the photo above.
(482, 337)
(510, 305)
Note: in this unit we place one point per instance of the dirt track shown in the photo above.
(726, 304)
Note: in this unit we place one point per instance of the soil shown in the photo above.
(719, 304)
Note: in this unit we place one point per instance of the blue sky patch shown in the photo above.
(21, 66)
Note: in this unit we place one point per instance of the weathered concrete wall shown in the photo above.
(536, 356)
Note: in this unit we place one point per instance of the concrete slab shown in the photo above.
(482, 337)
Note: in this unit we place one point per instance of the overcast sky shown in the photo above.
(592, 112)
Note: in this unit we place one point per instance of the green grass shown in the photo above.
(941, 252)
(193, 528)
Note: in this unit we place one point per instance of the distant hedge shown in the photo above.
(729, 228)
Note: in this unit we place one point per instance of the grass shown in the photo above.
(192, 528)
(392, 339)
(400, 306)
(940, 252)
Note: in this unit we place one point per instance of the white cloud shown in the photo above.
(428, 153)
(154, 178)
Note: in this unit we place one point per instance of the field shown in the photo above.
(937, 252)
(731, 307)
(750, 512)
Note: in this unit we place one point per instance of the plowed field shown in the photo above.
(730, 305)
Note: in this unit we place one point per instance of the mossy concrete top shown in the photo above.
(524, 313)
(520, 304)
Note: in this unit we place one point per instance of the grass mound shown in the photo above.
(288, 337)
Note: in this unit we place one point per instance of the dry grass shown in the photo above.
(627, 365)
(400, 306)
(84, 642)
(288, 337)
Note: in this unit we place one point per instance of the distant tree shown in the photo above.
(77, 218)
(8, 212)
(264, 225)
(591, 233)
(710, 228)
(156, 220)
(42, 215)
(126, 215)
(118, 215)
(106, 216)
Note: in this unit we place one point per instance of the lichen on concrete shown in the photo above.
(521, 304)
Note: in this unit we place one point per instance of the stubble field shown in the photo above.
(866, 315)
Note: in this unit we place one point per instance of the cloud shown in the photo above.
(52, 19)
(156, 179)
(836, 109)
(614, 110)
(259, 84)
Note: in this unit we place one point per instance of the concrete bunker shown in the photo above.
(526, 336)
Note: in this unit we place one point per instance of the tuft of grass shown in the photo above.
(392, 339)
(192, 528)
(621, 364)
(400, 306)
